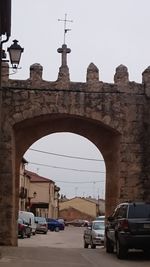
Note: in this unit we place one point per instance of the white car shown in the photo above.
(94, 234)
(28, 218)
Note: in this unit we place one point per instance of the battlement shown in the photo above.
(93, 82)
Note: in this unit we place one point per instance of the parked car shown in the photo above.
(78, 223)
(61, 221)
(28, 218)
(94, 234)
(24, 230)
(55, 225)
(128, 228)
(41, 225)
(100, 218)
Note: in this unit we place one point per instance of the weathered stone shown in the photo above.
(146, 81)
(115, 117)
(121, 76)
(36, 71)
(5, 71)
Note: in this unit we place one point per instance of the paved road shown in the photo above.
(64, 249)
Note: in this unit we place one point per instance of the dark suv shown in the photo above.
(128, 228)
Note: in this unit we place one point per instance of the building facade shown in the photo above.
(37, 194)
(24, 186)
(78, 208)
(43, 199)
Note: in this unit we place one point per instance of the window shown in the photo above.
(139, 210)
(123, 211)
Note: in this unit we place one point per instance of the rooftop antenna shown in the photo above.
(65, 25)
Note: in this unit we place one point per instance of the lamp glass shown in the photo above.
(15, 51)
(14, 56)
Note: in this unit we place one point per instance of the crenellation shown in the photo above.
(121, 77)
(121, 83)
(36, 72)
(92, 73)
(92, 79)
(63, 78)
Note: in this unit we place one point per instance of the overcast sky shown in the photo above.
(105, 32)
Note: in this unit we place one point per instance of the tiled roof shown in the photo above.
(34, 177)
(82, 199)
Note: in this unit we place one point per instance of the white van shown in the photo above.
(28, 217)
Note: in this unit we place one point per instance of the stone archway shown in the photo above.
(115, 117)
(106, 140)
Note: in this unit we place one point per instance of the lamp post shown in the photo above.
(29, 200)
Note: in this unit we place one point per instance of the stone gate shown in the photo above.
(115, 117)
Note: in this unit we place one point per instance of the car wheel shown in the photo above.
(86, 245)
(57, 229)
(93, 246)
(23, 234)
(109, 246)
(146, 251)
(29, 235)
(121, 250)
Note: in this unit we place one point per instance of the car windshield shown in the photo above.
(98, 225)
(100, 218)
(20, 221)
(139, 211)
(51, 220)
(40, 219)
(61, 220)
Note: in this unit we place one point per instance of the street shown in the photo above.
(62, 249)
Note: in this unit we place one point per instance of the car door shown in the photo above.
(87, 233)
(119, 215)
(111, 225)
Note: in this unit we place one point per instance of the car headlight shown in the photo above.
(98, 235)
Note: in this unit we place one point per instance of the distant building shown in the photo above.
(37, 194)
(79, 208)
(24, 186)
(43, 197)
(101, 204)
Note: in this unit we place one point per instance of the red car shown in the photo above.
(24, 230)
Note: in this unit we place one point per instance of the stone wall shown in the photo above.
(115, 117)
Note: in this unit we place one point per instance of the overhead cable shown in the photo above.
(65, 156)
(63, 168)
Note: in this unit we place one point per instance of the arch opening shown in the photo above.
(106, 140)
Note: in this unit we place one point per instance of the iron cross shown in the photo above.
(65, 23)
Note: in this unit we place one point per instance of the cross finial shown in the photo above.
(65, 24)
(64, 51)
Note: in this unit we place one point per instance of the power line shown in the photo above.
(75, 182)
(63, 168)
(65, 156)
(65, 182)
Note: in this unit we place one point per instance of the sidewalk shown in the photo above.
(43, 256)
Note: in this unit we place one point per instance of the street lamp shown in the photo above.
(29, 200)
(15, 51)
